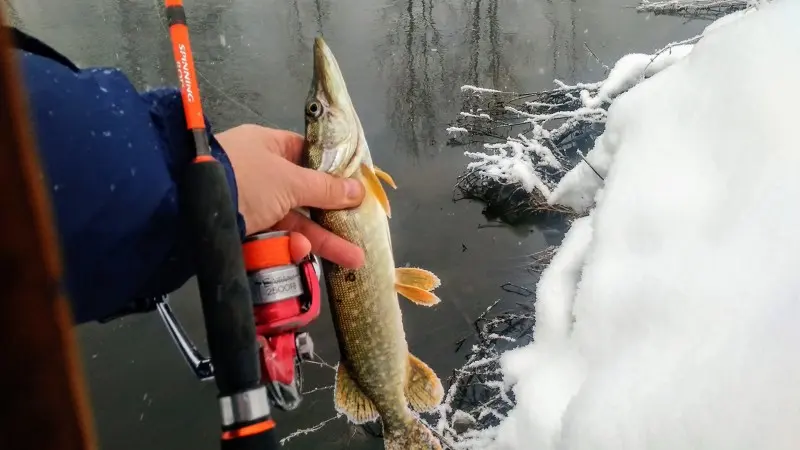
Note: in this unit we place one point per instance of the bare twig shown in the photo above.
(541, 259)
(309, 430)
(321, 388)
(605, 67)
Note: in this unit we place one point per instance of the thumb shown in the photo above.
(317, 189)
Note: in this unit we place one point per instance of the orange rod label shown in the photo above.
(182, 52)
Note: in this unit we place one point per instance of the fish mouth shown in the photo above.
(329, 88)
(328, 77)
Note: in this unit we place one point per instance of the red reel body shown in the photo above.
(286, 298)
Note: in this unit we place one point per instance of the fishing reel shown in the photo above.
(286, 298)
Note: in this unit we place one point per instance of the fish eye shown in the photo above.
(314, 109)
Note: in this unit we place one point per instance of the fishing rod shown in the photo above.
(206, 202)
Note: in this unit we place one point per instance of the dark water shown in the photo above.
(404, 62)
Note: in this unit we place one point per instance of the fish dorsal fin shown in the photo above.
(416, 285)
(423, 389)
(350, 400)
(373, 186)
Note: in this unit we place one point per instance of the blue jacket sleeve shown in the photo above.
(111, 158)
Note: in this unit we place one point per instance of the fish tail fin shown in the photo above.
(412, 435)
(416, 285)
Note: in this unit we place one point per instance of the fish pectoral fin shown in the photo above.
(424, 390)
(373, 186)
(350, 400)
(416, 285)
(414, 276)
(385, 177)
(417, 295)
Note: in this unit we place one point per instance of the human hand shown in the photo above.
(271, 184)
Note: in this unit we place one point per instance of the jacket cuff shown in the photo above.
(166, 108)
(219, 154)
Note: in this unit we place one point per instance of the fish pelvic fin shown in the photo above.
(385, 177)
(412, 435)
(373, 186)
(424, 390)
(416, 285)
(350, 400)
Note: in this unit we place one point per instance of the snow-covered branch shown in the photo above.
(696, 9)
(477, 399)
(531, 140)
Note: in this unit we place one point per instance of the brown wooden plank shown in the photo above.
(44, 400)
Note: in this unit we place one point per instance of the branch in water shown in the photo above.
(696, 9)
(529, 141)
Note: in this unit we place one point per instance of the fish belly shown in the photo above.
(365, 308)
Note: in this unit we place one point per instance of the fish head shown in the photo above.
(334, 135)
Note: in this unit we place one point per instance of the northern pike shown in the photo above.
(376, 375)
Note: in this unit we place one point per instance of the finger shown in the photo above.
(299, 246)
(323, 243)
(312, 188)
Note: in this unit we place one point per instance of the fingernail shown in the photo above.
(352, 189)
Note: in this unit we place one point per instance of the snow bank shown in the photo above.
(670, 317)
(549, 362)
(578, 186)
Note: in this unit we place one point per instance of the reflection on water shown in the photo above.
(404, 61)
(410, 60)
(423, 72)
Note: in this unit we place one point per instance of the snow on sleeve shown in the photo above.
(685, 315)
